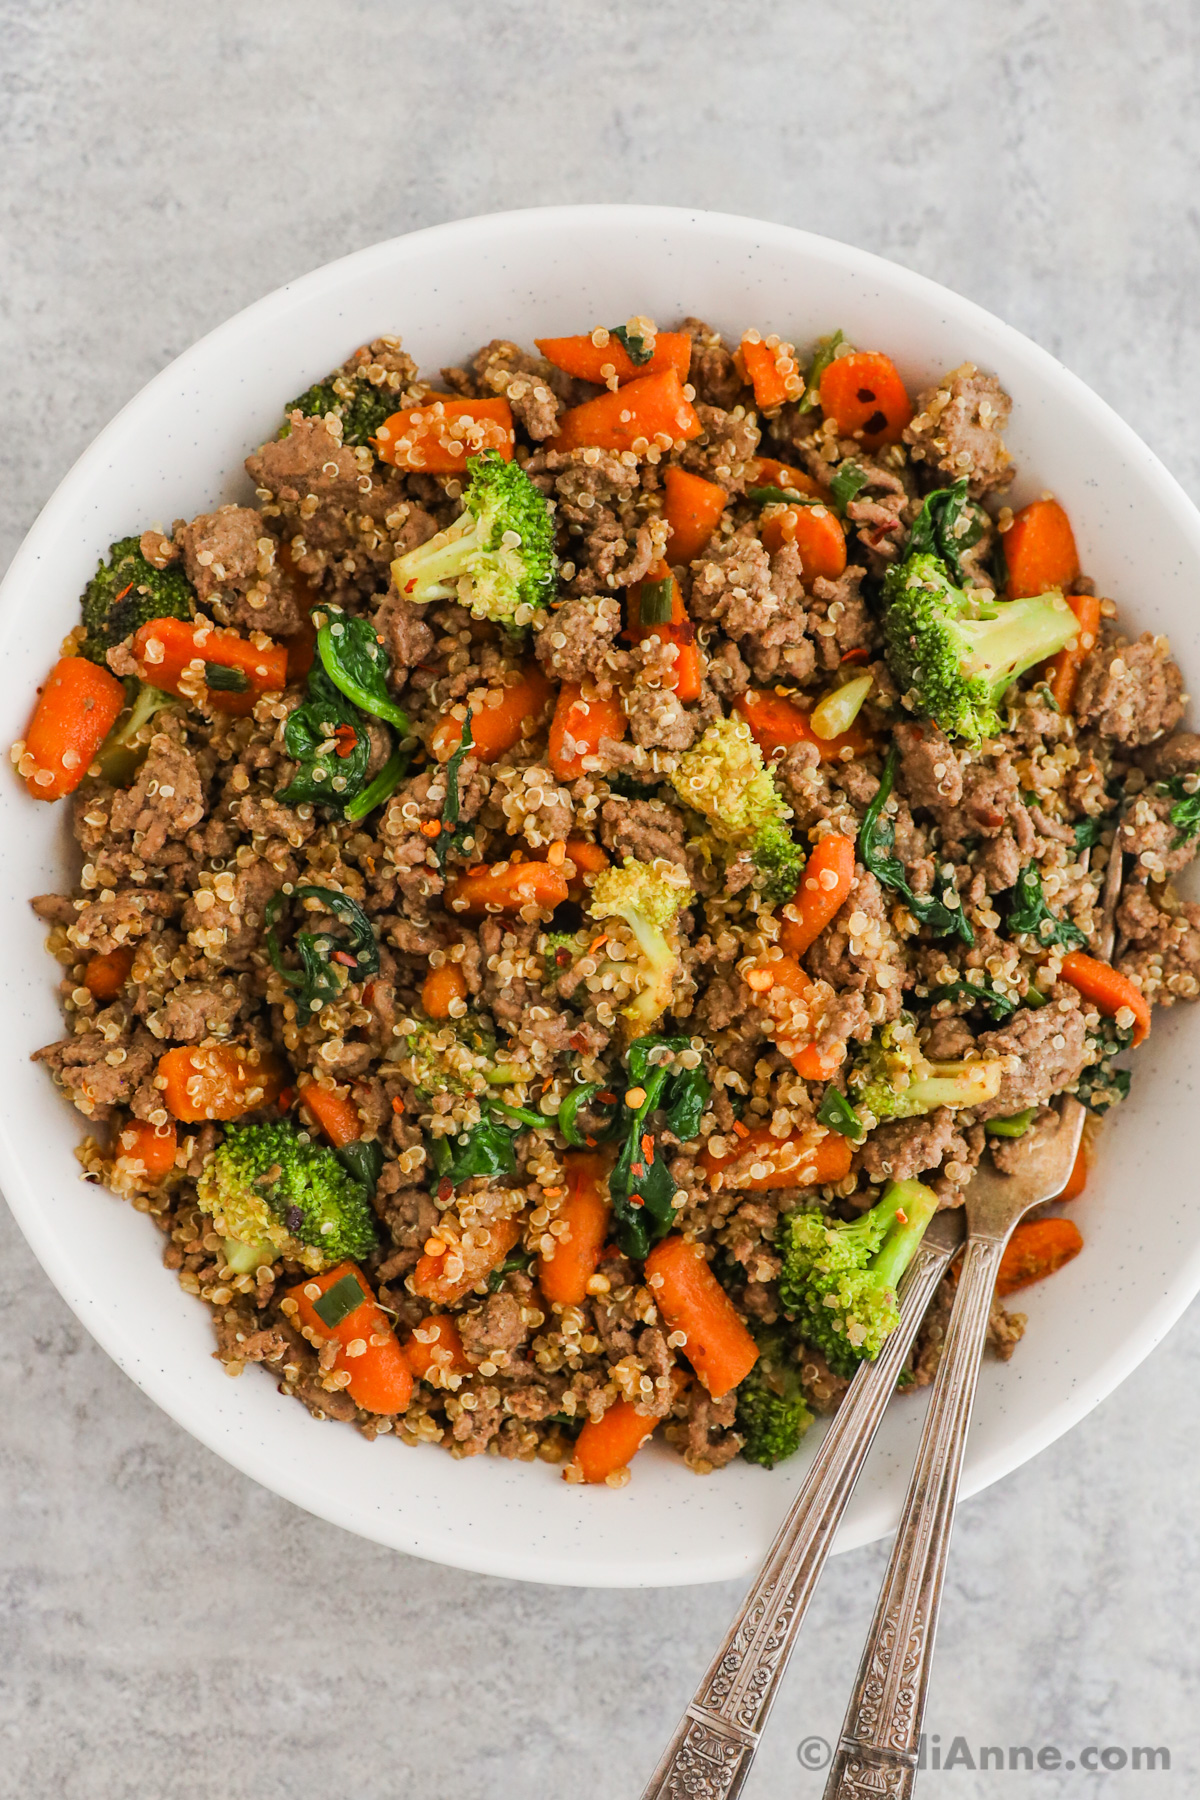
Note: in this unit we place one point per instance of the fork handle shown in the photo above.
(714, 1743)
(877, 1755)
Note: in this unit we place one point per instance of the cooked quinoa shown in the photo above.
(212, 834)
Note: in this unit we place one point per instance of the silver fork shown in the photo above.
(877, 1756)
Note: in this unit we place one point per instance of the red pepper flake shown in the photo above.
(344, 957)
(740, 1128)
(648, 1149)
(590, 1142)
(122, 593)
(288, 1094)
(608, 1099)
(858, 654)
(431, 828)
(410, 586)
(345, 740)
(397, 1104)
(445, 1188)
(901, 1217)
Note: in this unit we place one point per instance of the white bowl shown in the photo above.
(177, 449)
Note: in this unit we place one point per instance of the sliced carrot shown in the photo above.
(817, 533)
(684, 677)
(608, 1444)
(1077, 1179)
(147, 1152)
(773, 371)
(1064, 668)
(767, 472)
(653, 409)
(693, 509)
(1039, 550)
(381, 1380)
(518, 712)
(1108, 989)
(75, 712)
(782, 989)
(438, 1349)
(824, 888)
(334, 1112)
(438, 439)
(441, 988)
(864, 395)
(692, 1300)
(449, 1278)
(507, 888)
(805, 1159)
(588, 361)
(589, 859)
(105, 975)
(586, 1212)
(776, 723)
(585, 722)
(217, 1081)
(1036, 1249)
(188, 659)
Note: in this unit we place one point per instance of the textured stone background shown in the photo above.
(169, 1629)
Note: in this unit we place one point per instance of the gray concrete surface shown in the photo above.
(169, 1630)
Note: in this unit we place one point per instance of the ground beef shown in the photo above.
(504, 368)
(309, 462)
(101, 1070)
(200, 1009)
(1050, 1045)
(405, 633)
(1160, 943)
(1177, 755)
(725, 448)
(1146, 832)
(165, 801)
(903, 1148)
(929, 769)
(859, 951)
(1132, 692)
(578, 640)
(712, 1439)
(642, 830)
(956, 430)
(713, 372)
(497, 1325)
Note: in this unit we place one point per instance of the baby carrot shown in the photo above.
(449, 1277)
(1064, 668)
(767, 472)
(585, 722)
(75, 712)
(208, 666)
(773, 372)
(824, 887)
(334, 1112)
(693, 509)
(864, 395)
(588, 361)
(1039, 550)
(507, 888)
(437, 439)
(146, 1152)
(805, 1159)
(586, 1211)
(381, 1380)
(217, 1081)
(817, 534)
(606, 1445)
(495, 728)
(435, 1347)
(1036, 1249)
(106, 974)
(782, 988)
(1108, 989)
(692, 1300)
(441, 988)
(1077, 1179)
(776, 723)
(652, 409)
(684, 677)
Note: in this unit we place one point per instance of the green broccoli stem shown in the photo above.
(382, 787)
(917, 1205)
(445, 558)
(1021, 633)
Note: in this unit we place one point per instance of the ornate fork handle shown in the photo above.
(877, 1756)
(710, 1754)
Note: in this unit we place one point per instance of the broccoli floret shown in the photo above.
(358, 403)
(120, 753)
(498, 556)
(954, 655)
(724, 778)
(125, 592)
(771, 1412)
(275, 1193)
(453, 1057)
(891, 1079)
(839, 1281)
(649, 897)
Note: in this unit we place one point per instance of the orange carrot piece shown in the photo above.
(1039, 550)
(767, 472)
(773, 372)
(692, 1300)
(1077, 1179)
(105, 975)
(1108, 989)
(334, 1112)
(441, 988)
(803, 1160)
(776, 723)
(589, 361)
(589, 859)
(817, 533)
(678, 630)
(586, 722)
(449, 1278)
(693, 509)
(75, 712)
(217, 1081)
(606, 1445)
(507, 888)
(381, 1380)
(781, 988)
(175, 655)
(437, 439)
(1036, 1249)
(586, 1210)
(146, 1152)
(824, 888)
(653, 408)
(1064, 668)
(523, 703)
(438, 1350)
(864, 394)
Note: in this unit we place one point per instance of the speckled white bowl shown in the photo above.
(176, 449)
